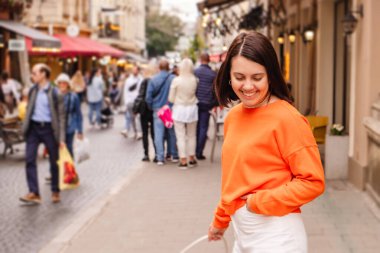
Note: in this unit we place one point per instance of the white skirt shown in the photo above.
(185, 113)
(257, 233)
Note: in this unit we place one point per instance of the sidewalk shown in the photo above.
(162, 209)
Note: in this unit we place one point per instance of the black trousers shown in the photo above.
(41, 133)
(146, 120)
(202, 127)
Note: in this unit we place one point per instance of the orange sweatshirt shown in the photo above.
(269, 152)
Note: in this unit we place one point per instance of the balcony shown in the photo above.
(109, 30)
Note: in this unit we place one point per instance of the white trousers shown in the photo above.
(257, 233)
(186, 133)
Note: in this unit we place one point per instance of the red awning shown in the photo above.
(77, 46)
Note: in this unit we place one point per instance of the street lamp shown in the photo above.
(350, 22)
(292, 37)
(1, 41)
(281, 39)
(308, 35)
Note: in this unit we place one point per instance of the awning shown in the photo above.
(79, 46)
(37, 39)
(216, 3)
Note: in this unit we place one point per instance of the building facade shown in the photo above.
(329, 53)
(120, 23)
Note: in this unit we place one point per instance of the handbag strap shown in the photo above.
(162, 85)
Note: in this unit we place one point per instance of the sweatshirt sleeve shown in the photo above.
(221, 218)
(297, 147)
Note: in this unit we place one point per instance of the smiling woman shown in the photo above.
(251, 65)
(270, 162)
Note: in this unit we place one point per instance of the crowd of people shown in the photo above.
(51, 112)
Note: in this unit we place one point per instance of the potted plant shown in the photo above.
(336, 153)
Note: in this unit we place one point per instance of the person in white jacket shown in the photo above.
(130, 93)
(185, 112)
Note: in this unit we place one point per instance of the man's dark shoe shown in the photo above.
(146, 159)
(31, 198)
(182, 166)
(193, 163)
(155, 160)
(55, 198)
(201, 157)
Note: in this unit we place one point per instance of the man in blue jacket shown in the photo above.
(206, 102)
(156, 97)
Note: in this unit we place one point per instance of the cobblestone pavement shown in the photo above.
(29, 228)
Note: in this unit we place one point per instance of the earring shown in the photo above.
(229, 82)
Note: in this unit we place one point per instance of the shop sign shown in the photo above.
(16, 45)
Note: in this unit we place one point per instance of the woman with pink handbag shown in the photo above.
(185, 112)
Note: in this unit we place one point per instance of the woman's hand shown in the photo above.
(246, 197)
(215, 234)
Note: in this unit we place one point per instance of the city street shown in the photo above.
(161, 209)
(29, 228)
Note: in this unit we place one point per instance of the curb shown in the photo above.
(89, 215)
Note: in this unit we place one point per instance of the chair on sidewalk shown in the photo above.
(218, 115)
(319, 127)
(11, 133)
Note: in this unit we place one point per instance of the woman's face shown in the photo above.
(249, 81)
(63, 87)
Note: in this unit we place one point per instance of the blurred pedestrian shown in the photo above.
(157, 97)
(131, 91)
(206, 101)
(78, 85)
(95, 90)
(73, 112)
(175, 70)
(185, 112)
(114, 94)
(22, 106)
(10, 89)
(3, 106)
(146, 114)
(44, 123)
(271, 165)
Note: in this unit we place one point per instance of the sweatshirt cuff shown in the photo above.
(220, 224)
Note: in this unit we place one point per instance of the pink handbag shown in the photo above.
(165, 114)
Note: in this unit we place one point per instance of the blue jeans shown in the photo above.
(159, 135)
(69, 143)
(96, 108)
(130, 120)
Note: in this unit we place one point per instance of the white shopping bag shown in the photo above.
(81, 150)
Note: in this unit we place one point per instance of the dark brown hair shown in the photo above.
(255, 47)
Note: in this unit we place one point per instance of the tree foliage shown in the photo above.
(197, 45)
(163, 32)
(15, 8)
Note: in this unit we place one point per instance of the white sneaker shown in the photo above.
(160, 163)
(124, 133)
(138, 136)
